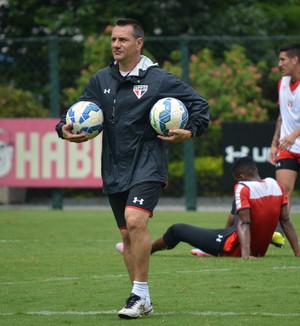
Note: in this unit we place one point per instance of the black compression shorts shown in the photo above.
(209, 240)
(143, 196)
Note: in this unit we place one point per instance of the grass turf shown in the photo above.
(61, 268)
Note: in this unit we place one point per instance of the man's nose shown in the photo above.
(116, 44)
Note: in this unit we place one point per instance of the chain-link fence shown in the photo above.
(47, 66)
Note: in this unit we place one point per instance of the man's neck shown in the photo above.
(295, 78)
(130, 65)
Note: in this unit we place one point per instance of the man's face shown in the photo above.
(124, 46)
(286, 64)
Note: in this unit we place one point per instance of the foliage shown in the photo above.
(209, 172)
(16, 103)
(96, 55)
(71, 17)
(233, 87)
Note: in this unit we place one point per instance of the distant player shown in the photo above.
(285, 147)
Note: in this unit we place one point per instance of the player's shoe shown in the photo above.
(135, 307)
(199, 252)
(278, 239)
(120, 247)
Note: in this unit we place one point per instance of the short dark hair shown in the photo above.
(138, 31)
(292, 50)
(244, 165)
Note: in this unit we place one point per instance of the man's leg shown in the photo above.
(158, 244)
(208, 240)
(140, 203)
(127, 253)
(287, 178)
(140, 242)
(139, 302)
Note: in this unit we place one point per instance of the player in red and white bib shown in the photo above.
(285, 148)
(260, 204)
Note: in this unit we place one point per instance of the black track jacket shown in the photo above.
(131, 152)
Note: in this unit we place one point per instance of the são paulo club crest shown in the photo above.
(140, 90)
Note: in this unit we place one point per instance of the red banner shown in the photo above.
(32, 155)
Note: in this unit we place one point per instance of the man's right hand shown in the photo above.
(272, 155)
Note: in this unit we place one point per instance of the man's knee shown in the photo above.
(175, 228)
(136, 220)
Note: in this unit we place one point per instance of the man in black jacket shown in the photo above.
(134, 157)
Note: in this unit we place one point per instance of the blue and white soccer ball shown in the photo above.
(168, 114)
(86, 118)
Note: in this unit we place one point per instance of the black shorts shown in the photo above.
(209, 240)
(143, 196)
(287, 160)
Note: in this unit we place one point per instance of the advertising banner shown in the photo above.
(32, 155)
(242, 139)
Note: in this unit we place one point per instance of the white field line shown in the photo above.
(286, 267)
(114, 312)
(112, 276)
(10, 241)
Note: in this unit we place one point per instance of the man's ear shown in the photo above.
(240, 177)
(139, 43)
(295, 60)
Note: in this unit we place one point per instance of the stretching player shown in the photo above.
(278, 239)
(260, 205)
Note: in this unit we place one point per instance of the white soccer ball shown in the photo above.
(168, 114)
(86, 118)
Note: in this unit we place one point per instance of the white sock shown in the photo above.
(141, 289)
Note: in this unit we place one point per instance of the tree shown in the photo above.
(159, 17)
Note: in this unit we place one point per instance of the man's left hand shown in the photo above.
(177, 136)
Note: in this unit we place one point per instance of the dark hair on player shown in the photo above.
(292, 50)
(244, 165)
(138, 31)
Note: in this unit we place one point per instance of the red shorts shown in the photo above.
(287, 160)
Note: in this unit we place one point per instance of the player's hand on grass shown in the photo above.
(177, 136)
(75, 138)
(249, 257)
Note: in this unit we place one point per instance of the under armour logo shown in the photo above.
(106, 91)
(219, 238)
(140, 201)
(231, 154)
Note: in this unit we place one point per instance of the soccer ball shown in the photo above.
(86, 118)
(167, 114)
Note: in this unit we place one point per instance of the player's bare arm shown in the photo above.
(74, 138)
(275, 141)
(243, 229)
(289, 230)
(177, 136)
(230, 220)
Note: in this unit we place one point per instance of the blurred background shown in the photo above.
(227, 50)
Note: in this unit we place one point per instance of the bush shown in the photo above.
(209, 173)
(16, 103)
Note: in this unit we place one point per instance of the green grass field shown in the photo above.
(61, 268)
